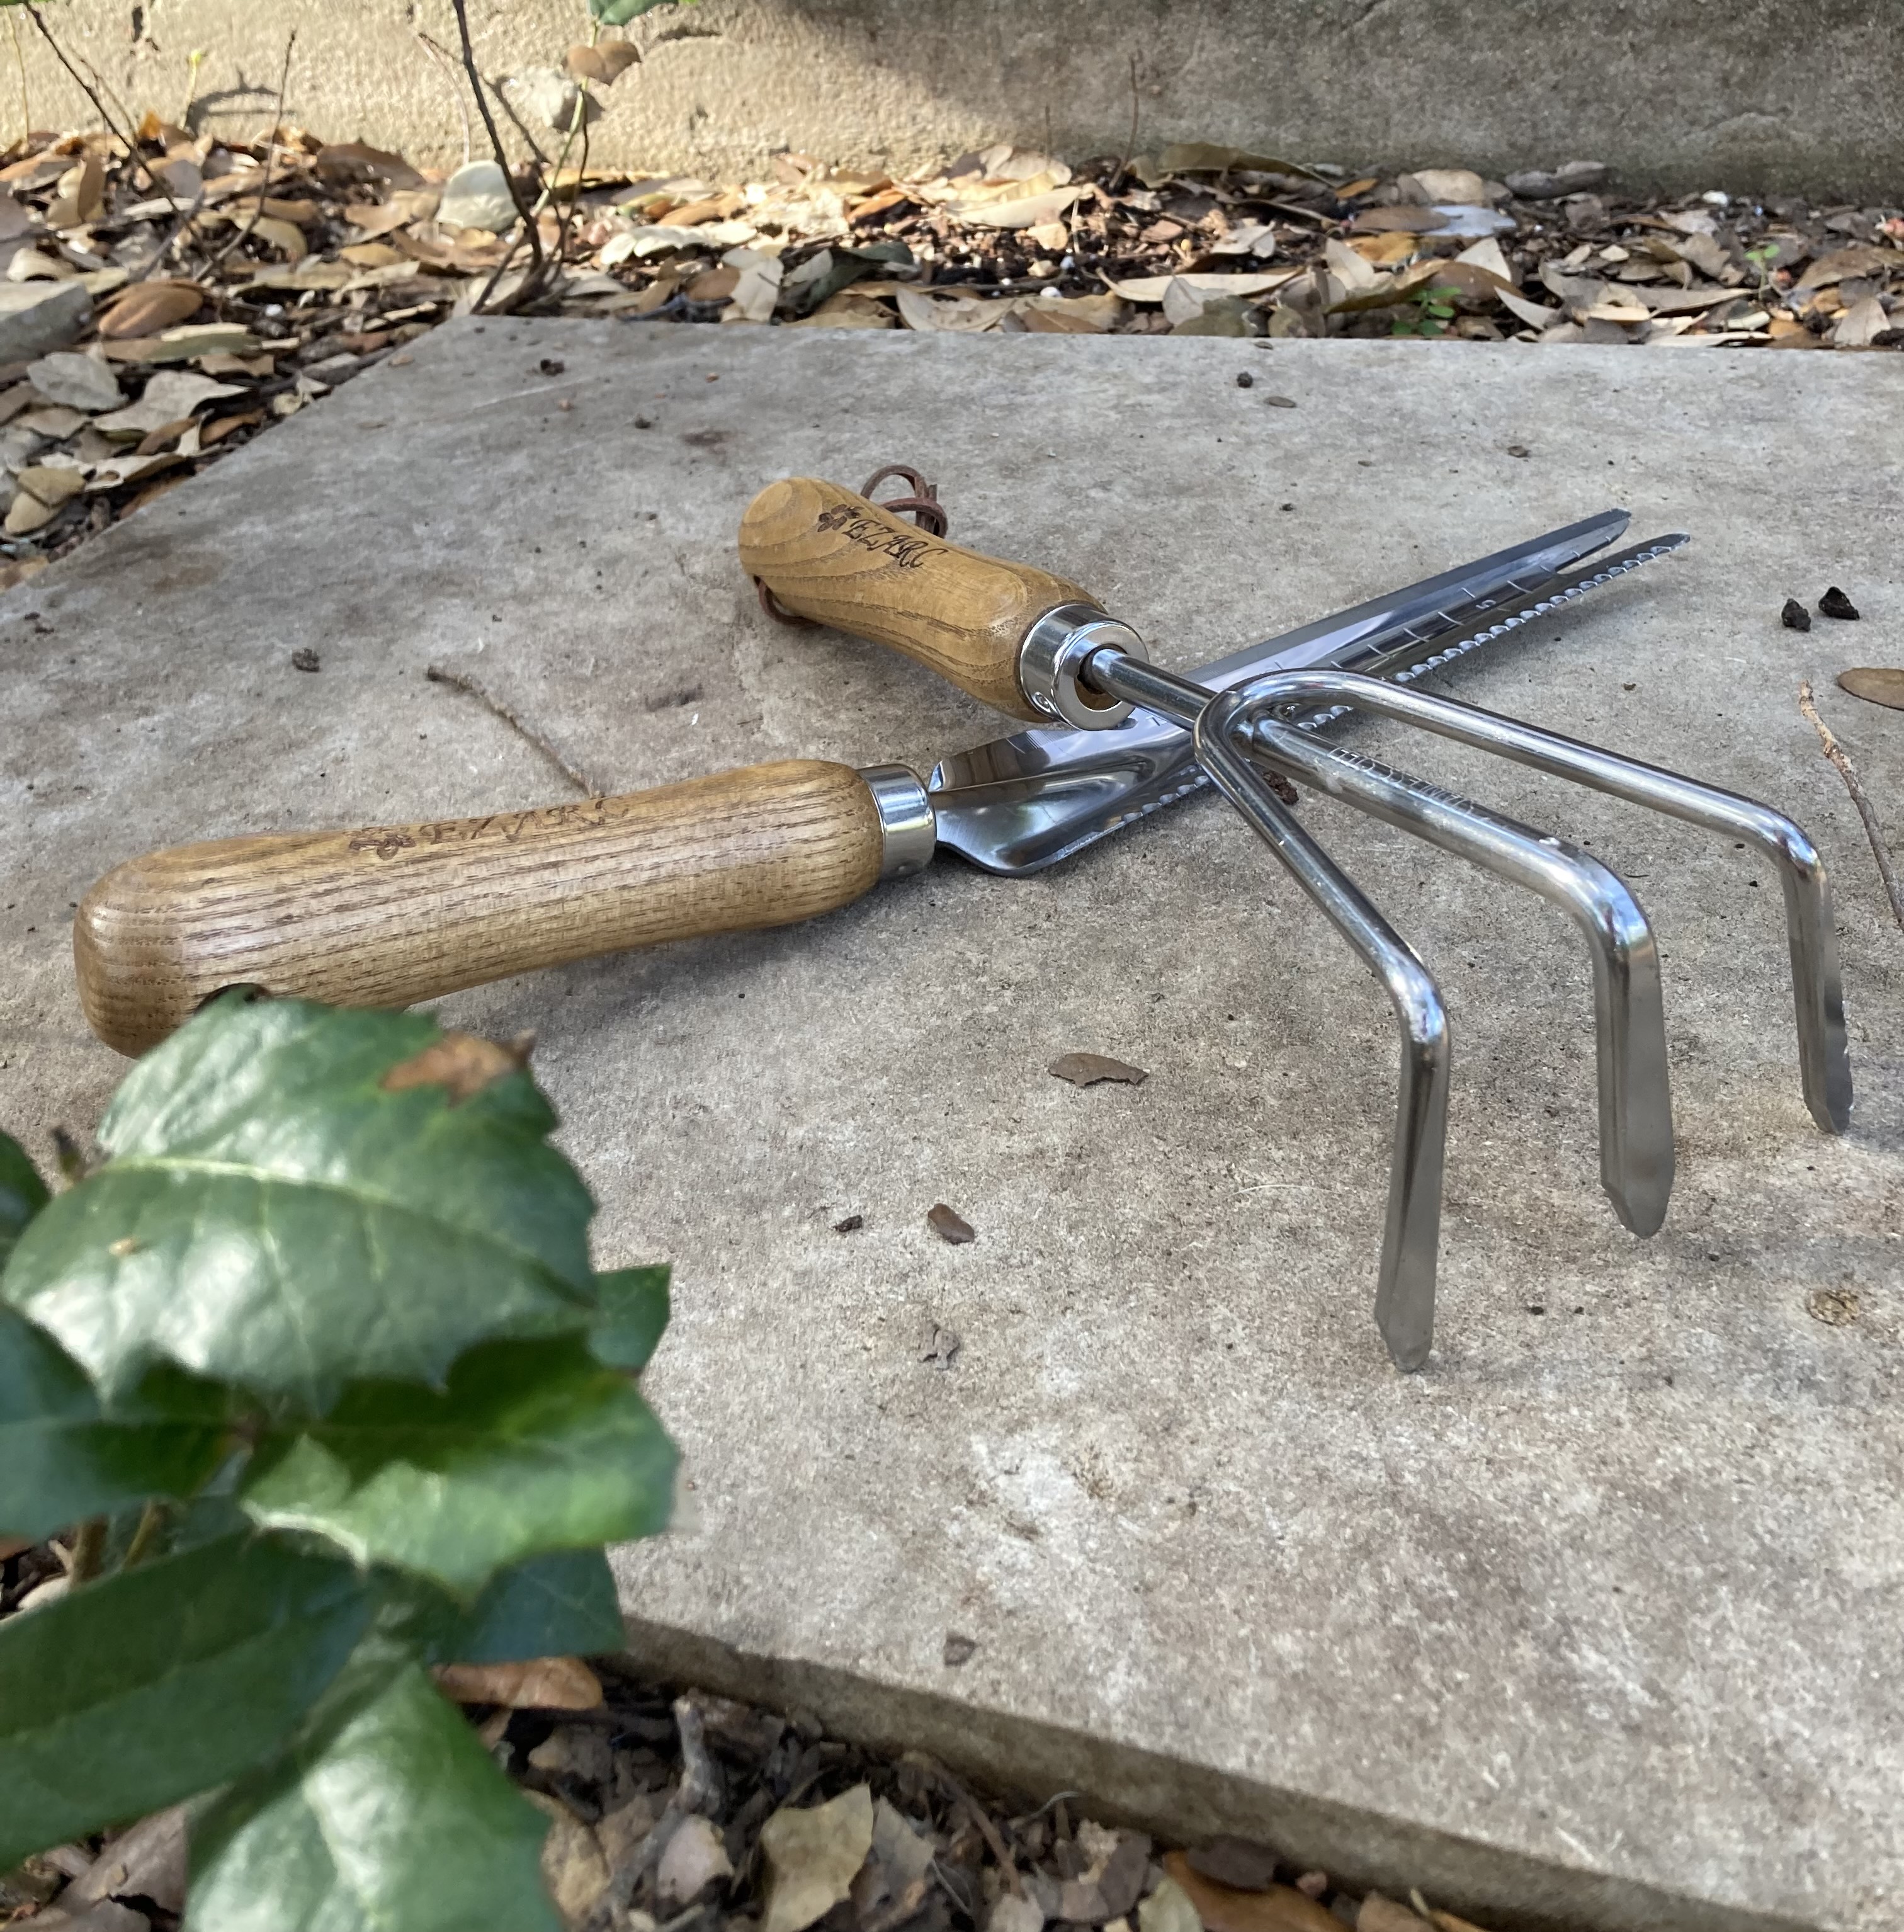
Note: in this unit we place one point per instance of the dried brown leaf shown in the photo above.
(1277, 1908)
(811, 1857)
(464, 1062)
(603, 64)
(1240, 1863)
(1086, 1069)
(949, 1225)
(1875, 686)
(542, 1684)
(150, 307)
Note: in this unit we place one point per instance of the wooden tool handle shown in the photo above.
(835, 557)
(397, 913)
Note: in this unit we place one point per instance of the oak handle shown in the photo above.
(385, 917)
(839, 559)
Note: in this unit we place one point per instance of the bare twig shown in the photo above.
(1130, 145)
(537, 273)
(239, 240)
(458, 681)
(25, 99)
(442, 60)
(151, 1520)
(89, 1551)
(989, 1831)
(129, 141)
(1873, 831)
(699, 1790)
(516, 122)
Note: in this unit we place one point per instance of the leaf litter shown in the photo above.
(201, 289)
(683, 1809)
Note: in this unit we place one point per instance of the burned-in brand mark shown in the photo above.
(907, 551)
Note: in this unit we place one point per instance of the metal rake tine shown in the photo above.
(1818, 996)
(1635, 1096)
(1635, 1093)
(1404, 1293)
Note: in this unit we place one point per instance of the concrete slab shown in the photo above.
(1594, 1622)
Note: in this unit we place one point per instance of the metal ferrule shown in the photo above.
(1051, 660)
(909, 828)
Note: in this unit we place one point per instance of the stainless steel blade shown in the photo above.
(1027, 802)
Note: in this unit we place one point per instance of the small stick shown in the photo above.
(440, 56)
(987, 1830)
(129, 142)
(437, 675)
(1873, 831)
(534, 278)
(88, 1550)
(270, 160)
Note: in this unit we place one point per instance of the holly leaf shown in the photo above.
(299, 1196)
(63, 1458)
(23, 1193)
(387, 1812)
(130, 1694)
(633, 1304)
(562, 1604)
(533, 1447)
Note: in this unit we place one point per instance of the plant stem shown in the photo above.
(151, 1519)
(1873, 831)
(537, 272)
(88, 1550)
(25, 99)
(239, 240)
(129, 142)
(439, 58)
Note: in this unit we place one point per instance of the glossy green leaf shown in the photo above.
(275, 1215)
(560, 1605)
(633, 1304)
(62, 1458)
(23, 1193)
(620, 13)
(534, 1446)
(139, 1691)
(394, 1819)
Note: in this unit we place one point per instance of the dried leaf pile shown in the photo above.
(692, 1813)
(164, 305)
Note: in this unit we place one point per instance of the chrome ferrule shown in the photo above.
(909, 828)
(1051, 662)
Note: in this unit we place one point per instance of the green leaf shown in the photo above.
(534, 1446)
(63, 1458)
(635, 1310)
(23, 1193)
(560, 1605)
(620, 13)
(395, 1816)
(294, 1200)
(137, 1692)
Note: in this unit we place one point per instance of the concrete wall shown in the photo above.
(1681, 94)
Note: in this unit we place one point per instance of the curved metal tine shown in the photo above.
(1404, 1293)
(1636, 1097)
(1811, 935)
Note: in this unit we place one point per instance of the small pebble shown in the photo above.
(1835, 603)
(304, 660)
(851, 1225)
(552, 365)
(1518, 449)
(1280, 402)
(1246, 381)
(1794, 616)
